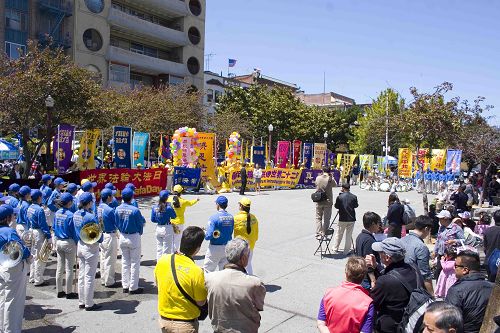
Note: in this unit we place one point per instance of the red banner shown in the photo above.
(281, 157)
(147, 182)
(296, 152)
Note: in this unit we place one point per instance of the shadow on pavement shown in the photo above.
(149, 287)
(148, 263)
(103, 294)
(271, 288)
(36, 311)
(51, 329)
(120, 306)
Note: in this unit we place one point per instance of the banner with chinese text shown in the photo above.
(122, 138)
(62, 147)
(347, 163)
(147, 182)
(308, 178)
(366, 162)
(307, 155)
(296, 152)
(453, 160)
(186, 177)
(258, 156)
(206, 157)
(438, 159)
(281, 156)
(140, 144)
(423, 158)
(86, 152)
(271, 177)
(405, 162)
(319, 155)
(380, 163)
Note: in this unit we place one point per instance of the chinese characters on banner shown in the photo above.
(272, 177)
(366, 162)
(347, 163)
(438, 159)
(122, 137)
(423, 158)
(453, 160)
(258, 156)
(296, 152)
(187, 177)
(319, 155)
(206, 157)
(86, 153)
(140, 143)
(307, 155)
(62, 147)
(147, 182)
(281, 157)
(405, 162)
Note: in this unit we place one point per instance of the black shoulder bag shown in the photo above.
(204, 308)
(319, 196)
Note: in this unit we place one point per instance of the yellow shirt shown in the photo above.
(171, 303)
(180, 211)
(240, 228)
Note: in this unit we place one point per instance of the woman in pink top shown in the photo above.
(447, 276)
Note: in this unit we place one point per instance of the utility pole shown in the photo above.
(387, 127)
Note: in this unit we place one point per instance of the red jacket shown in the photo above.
(346, 307)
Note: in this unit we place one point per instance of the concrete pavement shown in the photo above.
(283, 258)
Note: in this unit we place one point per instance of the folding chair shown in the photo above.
(324, 242)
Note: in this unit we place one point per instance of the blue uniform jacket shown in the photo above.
(82, 218)
(46, 193)
(36, 218)
(8, 234)
(22, 217)
(442, 177)
(134, 203)
(12, 201)
(128, 219)
(222, 221)
(427, 176)
(162, 218)
(51, 202)
(74, 206)
(63, 225)
(114, 203)
(450, 177)
(106, 214)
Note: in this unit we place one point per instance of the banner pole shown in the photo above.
(149, 150)
(57, 152)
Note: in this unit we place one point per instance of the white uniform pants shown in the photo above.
(177, 237)
(12, 297)
(346, 227)
(66, 256)
(130, 245)
(88, 257)
(37, 266)
(249, 267)
(428, 186)
(164, 240)
(109, 253)
(215, 257)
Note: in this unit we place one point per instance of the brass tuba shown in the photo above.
(44, 254)
(28, 238)
(216, 234)
(11, 254)
(91, 233)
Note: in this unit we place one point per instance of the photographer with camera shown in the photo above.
(346, 203)
(324, 186)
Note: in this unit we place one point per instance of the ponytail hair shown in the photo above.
(249, 219)
(162, 204)
(176, 201)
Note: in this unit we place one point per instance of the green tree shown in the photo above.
(26, 82)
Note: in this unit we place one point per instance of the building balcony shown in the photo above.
(135, 26)
(150, 65)
(166, 8)
(56, 7)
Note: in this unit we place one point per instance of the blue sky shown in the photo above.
(362, 46)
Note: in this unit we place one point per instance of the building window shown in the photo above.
(218, 95)
(95, 6)
(92, 39)
(195, 7)
(175, 80)
(16, 20)
(210, 95)
(193, 65)
(119, 73)
(194, 35)
(14, 51)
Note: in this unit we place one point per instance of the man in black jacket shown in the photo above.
(471, 292)
(459, 198)
(346, 203)
(243, 173)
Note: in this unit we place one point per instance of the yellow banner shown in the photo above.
(405, 157)
(339, 160)
(87, 149)
(438, 159)
(206, 157)
(270, 177)
(366, 162)
(347, 162)
(319, 155)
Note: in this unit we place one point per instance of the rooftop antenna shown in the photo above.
(207, 61)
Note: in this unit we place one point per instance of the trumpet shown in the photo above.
(216, 234)
(91, 233)
(44, 254)
(11, 254)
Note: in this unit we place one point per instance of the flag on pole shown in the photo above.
(160, 149)
(231, 62)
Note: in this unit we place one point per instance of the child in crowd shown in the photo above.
(447, 276)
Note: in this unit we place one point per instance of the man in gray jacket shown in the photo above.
(324, 183)
(234, 297)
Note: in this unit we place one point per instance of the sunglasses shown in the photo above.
(461, 266)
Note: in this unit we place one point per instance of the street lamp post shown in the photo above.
(270, 128)
(49, 104)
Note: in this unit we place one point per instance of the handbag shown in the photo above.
(203, 308)
(319, 196)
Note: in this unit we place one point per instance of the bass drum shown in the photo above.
(385, 187)
(362, 185)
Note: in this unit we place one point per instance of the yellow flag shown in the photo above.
(160, 149)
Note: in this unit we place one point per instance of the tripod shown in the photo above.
(324, 242)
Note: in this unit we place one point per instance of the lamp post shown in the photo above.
(325, 135)
(49, 104)
(270, 128)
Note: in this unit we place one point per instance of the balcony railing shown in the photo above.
(56, 6)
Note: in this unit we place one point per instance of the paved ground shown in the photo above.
(283, 259)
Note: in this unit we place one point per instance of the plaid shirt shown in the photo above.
(453, 231)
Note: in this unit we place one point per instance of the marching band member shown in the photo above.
(88, 187)
(88, 254)
(179, 205)
(114, 202)
(161, 215)
(109, 245)
(133, 202)
(72, 189)
(219, 232)
(12, 279)
(41, 231)
(66, 240)
(246, 226)
(46, 193)
(12, 198)
(59, 184)
(130, 222)
(22, 215)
